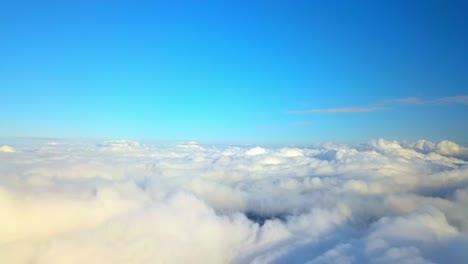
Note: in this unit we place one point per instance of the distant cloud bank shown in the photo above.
(127, 202)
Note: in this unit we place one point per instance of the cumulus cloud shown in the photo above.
(448, 148)
(127, 202)
(255, 151)
(190, 145)
(122, 145)
(7, 149)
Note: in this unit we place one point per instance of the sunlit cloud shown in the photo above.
(7, 149)
(127, 202)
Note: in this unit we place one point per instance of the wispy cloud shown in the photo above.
(459, 99)
(355, 109)
(385, 105)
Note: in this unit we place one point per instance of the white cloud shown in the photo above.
(122, 146)
(448, 148)
(190, 145)
(255, 151)
(291, 152)
(126, 202)
(7, 149)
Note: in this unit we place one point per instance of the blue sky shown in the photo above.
(286, 72)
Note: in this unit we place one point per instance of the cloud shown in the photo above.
(385, 105)
(459, 99)
(7, 149)
(255, 151)
(122, 145)
(356, 109)
(449, 148)
(190, 145)
(127, 202)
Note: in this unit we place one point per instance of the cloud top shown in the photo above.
(7, 149)
(127, 202)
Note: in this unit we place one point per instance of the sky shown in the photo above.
(136, 132)
(263, 72)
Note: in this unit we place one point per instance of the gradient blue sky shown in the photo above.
(235, 71)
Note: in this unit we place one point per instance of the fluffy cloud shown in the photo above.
(122, 145)
(448, 148)
(7, 149)
(445, 147)
(126, 202)
(255, 151)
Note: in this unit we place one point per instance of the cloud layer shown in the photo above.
(126, 202)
